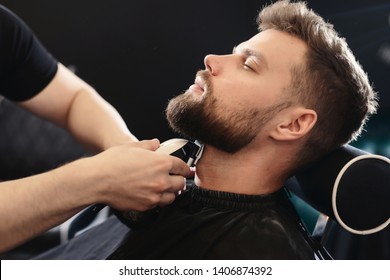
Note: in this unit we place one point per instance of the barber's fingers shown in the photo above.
(179, 167)
(150, 145)
(176, 183)
(192, 172)
(166, 199)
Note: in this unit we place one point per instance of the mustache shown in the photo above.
(205, 76)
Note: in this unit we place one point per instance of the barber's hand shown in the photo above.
(134, 177)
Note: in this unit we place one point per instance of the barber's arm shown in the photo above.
(71, 103)
(129, 176)
(126, 175)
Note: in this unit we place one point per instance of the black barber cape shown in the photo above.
(206, 224)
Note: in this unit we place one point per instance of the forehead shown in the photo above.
(277, 47)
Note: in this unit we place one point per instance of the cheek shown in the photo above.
(230, 90)
(247, 92)
(265, 93)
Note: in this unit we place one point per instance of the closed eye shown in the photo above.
(254, 60)
(250, 64)
(246, 66)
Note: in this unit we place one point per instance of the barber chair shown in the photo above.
(30, 145)
(350, 189)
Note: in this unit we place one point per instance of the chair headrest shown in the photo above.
(350, 186)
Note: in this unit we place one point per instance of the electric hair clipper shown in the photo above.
(187, 150)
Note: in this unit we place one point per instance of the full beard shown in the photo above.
(204, 118)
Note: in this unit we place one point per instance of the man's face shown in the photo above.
(238, 94)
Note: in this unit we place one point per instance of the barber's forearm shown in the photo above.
(70, 102)
(95, 122)
(33, 205)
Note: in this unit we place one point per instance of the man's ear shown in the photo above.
(294, 124)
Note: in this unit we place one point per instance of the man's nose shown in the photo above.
(213, 64)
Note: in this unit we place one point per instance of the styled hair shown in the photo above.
(330, 81)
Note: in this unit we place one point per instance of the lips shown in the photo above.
(200, 83)
(199, 86)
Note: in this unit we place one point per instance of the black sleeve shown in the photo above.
(25, 66)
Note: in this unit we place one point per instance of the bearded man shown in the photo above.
(274, 105)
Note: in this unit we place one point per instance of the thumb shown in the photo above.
(151, 145)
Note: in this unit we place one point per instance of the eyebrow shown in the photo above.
(249, 52)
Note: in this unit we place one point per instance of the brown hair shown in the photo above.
(331, 82)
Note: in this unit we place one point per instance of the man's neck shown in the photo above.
(245, 172)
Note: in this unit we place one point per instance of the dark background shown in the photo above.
(138, 54)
